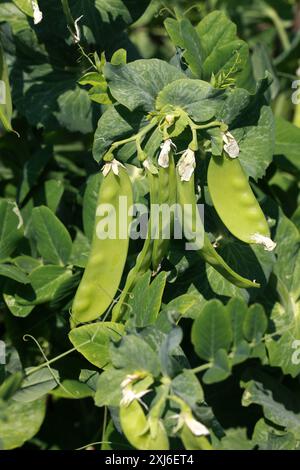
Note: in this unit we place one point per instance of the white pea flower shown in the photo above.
(267, 243)
(231, 146)
(128, 395)
(197, 428)
(113, 165)
(298, 72)
(186, 165)
(163, 158)
(37, 14)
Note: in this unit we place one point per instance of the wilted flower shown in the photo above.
(186, 418)
(186, 165)
(267, 243)
(37, 14)
(163, 158)
(113, 165)
(231, 146)
(129, 395)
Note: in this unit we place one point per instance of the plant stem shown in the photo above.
(137, 136)
(201, 368)
(207, 126)
(68, 15)
(273, 15)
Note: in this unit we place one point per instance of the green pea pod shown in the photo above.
(234, 200)
(137, 431)
(296, 119)
(166, 200)
(143, 260)
(186, 197)
(107, 257)
(192, 225)
(5, 96)
(210, 255)
(192, 442)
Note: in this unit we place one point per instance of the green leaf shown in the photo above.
(25, 6)
(53, 191)
(279, 404)
(46, 95)
(36, 385)
(53, 240)
(183, 34)
(186, 305)
(198, 98)
(283, 348)
(214, 50)
(262, 62)
(137, 84)
(267, 437)
(257, 144)
(90, 199)
(236, 439)
(145, 299)
(255, 323)
(220, 368)
(287, 140)
(72, 389)
(288, 244)
(103, 21)
(11, 229)
(45, 282)
(32, 170)
(211, 330)
(90, 378)
(12, 272)
(93, 340)
(26, 263)
(115, 124)
(132, 353)
(21, 422)
(222, 51)
(10, 386)
(187, 386)
(80, 250)
(109, 388)
(237, 310)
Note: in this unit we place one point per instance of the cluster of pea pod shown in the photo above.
(233, 200)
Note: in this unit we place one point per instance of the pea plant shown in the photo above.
(149, 225)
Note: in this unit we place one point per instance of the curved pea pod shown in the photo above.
(186, 195)
(235, 202)
(210, 255)
(107, 258)
(192, 442)
(143, 260)
(137, 430)
(166, 200)
(191, 221)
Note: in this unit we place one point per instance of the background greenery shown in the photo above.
(49, 179)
